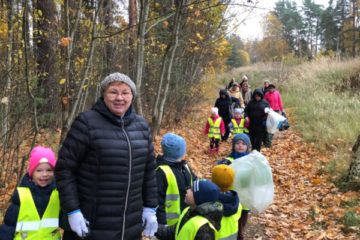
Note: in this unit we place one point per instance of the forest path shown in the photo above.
(306, 205)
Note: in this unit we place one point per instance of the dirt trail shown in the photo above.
(306, 206)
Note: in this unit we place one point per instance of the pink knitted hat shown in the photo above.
(41, 155)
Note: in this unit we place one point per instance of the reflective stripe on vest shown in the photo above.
(172, 199)
(214, 130)
(239, 128)
(191, 227)
(29, 226)
(229, 226)
(230, 159)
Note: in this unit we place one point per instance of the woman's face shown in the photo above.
(43, 175)
(118, 98)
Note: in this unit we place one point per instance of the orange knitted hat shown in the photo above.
(223, 176)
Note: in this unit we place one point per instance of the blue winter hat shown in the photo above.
(173, 146)
(205, 191)
(243, 137)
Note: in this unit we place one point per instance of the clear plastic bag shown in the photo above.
(253, 181)
(274, 121)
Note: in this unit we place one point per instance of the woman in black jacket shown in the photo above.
(106, 169)
(255, 111)
(225, 104)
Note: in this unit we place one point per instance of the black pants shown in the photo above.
(214, 143)
(256, 137)
(227, 130)
(242, 223)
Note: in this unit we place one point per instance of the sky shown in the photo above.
(250, 28)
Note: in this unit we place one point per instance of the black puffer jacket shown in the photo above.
(213, 211)
(106, 168)
(41, 197)
(224, 105)
(255, 111)
(183, 179)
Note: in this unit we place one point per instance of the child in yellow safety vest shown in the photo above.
(215, 129)
(238, 124)
(223, 176)
(201, 220)
(174, 177)
(35, 208)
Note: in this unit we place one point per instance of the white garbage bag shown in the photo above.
(253, 181)
(273, 121)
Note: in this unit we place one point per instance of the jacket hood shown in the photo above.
(223, 92)
(101, 107)
(258, 92)
(213, 211)
(230, 201)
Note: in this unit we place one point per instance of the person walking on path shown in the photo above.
(235, 92)
(106, 169)
(224, 103)
(273, 97)
(246, 93)
(239, 124)
(174, 177)
(35, 206)
(223, 176)
(214, 129)
(255, 111)
(265, 87)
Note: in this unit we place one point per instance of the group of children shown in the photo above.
(215, 127)
(189, 208)
(192, 208)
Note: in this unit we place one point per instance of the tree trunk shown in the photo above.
(354, 169)
(132, 36)
(166, 71)
(354, 30)
(6, 100)
(108, 53)
(45, 36)
(70, 33)
(144, 5)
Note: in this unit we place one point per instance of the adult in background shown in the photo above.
(232, 81)
(106, 169)
(265, 87)
(246, 93)
(224, 103)
(244, 79)
(255, 111)
(235, 92)
(273, 97)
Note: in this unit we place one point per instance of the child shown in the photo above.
(173, 177)
(223, 176)
(215, 129)
(35, 208)
(201, 220)
(238, 123)
(241, 147)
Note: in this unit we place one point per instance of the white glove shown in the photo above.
(149, 221)
(78, 223)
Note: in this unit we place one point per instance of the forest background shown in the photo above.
(54, 53)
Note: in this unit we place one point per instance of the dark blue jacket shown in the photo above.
(106, 168)
(230, 201)
(41, 196)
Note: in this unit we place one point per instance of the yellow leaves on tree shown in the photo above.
(3, 29)
(245, 57)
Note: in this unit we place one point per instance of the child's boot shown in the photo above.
(217, 150)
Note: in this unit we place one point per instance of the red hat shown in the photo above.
(40, 155)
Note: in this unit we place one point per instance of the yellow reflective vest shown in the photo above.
(189, 229)
(29, 226)
(229, 226)
(172, 198)
(214, 130)
(239, 128)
